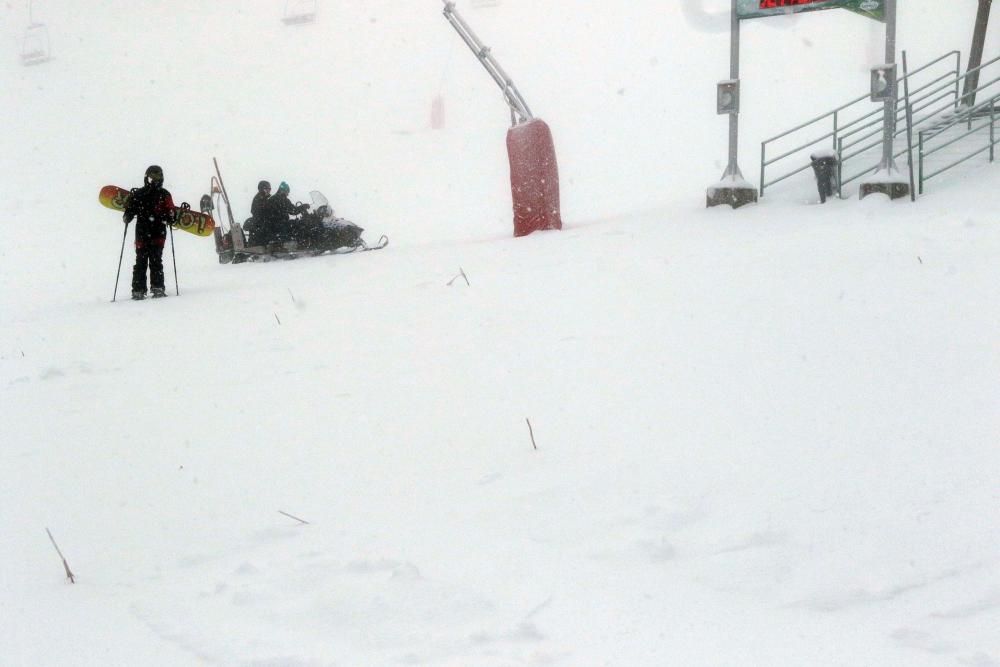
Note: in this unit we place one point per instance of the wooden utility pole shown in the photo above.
(976, 53)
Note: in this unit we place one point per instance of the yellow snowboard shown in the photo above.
(199, 224)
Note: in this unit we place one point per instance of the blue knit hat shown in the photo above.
(283, 187)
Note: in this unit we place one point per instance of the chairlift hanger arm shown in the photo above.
(512, 96)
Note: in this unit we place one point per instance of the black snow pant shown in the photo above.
(148, 252)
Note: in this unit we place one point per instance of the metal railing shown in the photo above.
(968, 116)
(927, 102)
(855, 128)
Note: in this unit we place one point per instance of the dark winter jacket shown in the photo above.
(277, 211)
(257, 206)
(151, 208)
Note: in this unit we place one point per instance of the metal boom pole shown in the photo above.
(733, 169)
(511, 94)
(225, 195)
(889, 121)
(976, 53)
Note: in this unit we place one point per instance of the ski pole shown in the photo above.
(177, 287)
(120, 255)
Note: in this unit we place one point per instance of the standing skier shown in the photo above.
(152, 208)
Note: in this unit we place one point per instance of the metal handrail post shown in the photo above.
(840, 178)
(958, 84)
(993, 122)
(921, 160)
(840, 168)
(909, 128)
(763, 148)
(836, 131)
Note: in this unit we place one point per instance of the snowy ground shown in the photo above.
(765, 437)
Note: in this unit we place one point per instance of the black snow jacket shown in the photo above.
(277, 211)
(151, 208)
(257, 206)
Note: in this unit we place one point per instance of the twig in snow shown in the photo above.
(531, 433)
(461, 273)
(538, 608)
(920, 260)
(290, 516)
(291, 295)
(277, 318)
(69, 573)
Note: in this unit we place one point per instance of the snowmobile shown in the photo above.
(316, 232)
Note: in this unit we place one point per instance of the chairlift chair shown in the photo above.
(298, 12)
(35, 47)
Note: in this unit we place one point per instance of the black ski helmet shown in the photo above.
(154, 174)
(263, 185)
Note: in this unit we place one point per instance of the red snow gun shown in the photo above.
(534, 174)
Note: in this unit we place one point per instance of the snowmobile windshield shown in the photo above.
(318, 200)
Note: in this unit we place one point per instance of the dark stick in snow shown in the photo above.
(276, 317)
(69, 573)
(532, 434)
(290, 516)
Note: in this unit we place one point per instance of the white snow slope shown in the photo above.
(764, 437)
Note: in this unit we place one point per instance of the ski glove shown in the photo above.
(126, 218)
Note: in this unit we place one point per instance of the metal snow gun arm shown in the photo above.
(519, 111)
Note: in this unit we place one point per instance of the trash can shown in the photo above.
(825, 167)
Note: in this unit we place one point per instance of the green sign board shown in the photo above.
(751, 9)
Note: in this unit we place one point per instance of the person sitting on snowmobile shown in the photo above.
(152, 207)
(277, 212)
(255, 226)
